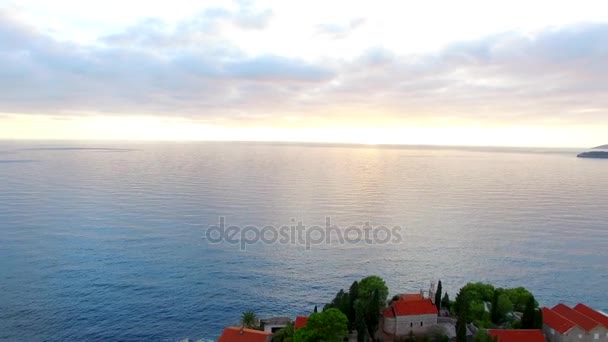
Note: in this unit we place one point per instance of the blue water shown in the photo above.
(106, 241)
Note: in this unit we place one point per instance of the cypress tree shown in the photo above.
(438, 296)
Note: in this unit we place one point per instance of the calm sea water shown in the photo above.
(106, 241)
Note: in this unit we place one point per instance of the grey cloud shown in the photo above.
(190, 78)
(189, 70)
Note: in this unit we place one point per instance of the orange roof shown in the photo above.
(300, 322)
(581, 320)
(238, 334)
(557, 321)
(595, 315)
(518, 335)
(412, 307)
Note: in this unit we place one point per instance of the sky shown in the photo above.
(469, 72)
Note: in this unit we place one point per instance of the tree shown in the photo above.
(249, 319)
(367, 286)
(285, 334)
(372, 319)
(529, 320)
(445, 302)
(462, 311)
(340, 302)
(519, 297)
(483, 336)
(353, 295)
(438, 296)
(329, 325)
(315, 310)
(360, 325)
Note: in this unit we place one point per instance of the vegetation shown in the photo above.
(490, 307)
(462, 308)
(445, 301)
(438, 296)
(249, 319)
(285, 334)
(483, 336)
(362, 305)
(532, 317)
(329, 325)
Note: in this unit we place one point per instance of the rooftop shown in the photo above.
(578, 318)
(556, 321)
(300, 322)
(410, 305)
(593, 314)
(517, 335)
(238, 334)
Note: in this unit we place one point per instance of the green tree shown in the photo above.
(438, 296)
(360, 325)
(285, 334)
(329, 325)
(315, 310)
(445, 302)
(367, 286)
(340, 302)
(249, 319)
(483, 336)
(461, 311)
(353, 295)
(529, 320)
(519, 296)
(372, 319)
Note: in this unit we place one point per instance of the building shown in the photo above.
(517, 335)
(300, 322)
(274, 324)
(410, 313)
(563, 324)
(240, 334)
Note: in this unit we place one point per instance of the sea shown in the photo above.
(131, 241)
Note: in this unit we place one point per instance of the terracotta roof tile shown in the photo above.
(414, 307)
(557, 321)
(593, 314)
(581, 320)
(300, 322)
(238, 334)
(518, 335)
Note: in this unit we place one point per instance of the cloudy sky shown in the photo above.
(468, 72)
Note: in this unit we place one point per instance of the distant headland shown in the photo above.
(593, 154)
(600, 152)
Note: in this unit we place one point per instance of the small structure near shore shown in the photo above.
(411, 313)
(274, 324)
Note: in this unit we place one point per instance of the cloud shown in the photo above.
(146, 69)
(334, 31)
(191, 69)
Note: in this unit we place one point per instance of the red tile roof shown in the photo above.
(593, 314)
(519, 335)
(237, 334)
(300, 322)
(581, 320)
(557, 321)
(410, 307)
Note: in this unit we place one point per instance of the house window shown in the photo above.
(411, 324)
(580, 336)
(552, 331)
(596, 336)
(420, 323)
